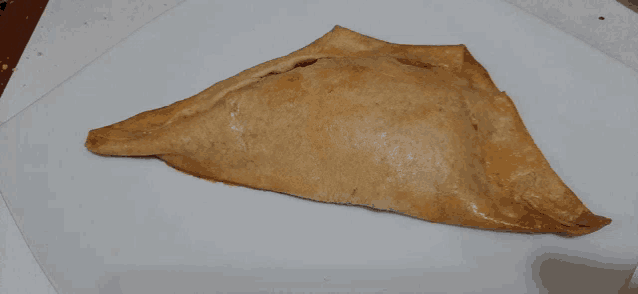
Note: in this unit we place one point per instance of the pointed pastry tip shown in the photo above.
(111, 141)
(98, 142)
(592, 220)
(94, 142)
(587, 223)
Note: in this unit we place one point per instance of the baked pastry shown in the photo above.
(418, 130)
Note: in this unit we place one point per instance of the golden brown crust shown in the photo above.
(419, 130)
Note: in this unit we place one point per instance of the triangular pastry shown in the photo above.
(418, 130)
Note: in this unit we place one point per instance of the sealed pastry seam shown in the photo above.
(413, 129)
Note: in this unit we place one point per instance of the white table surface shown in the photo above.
(121, 225)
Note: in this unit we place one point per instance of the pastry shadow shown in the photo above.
(564, 273)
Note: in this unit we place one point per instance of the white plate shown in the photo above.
(138, 226)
